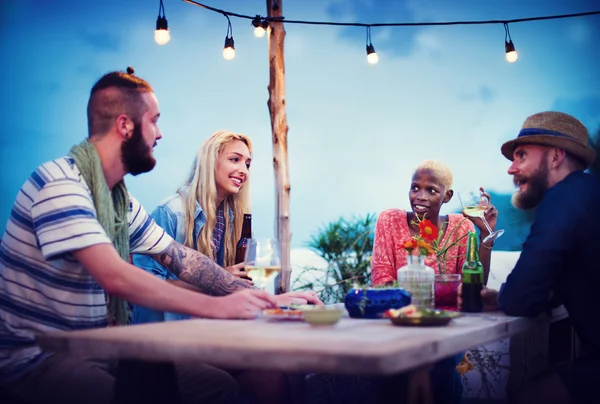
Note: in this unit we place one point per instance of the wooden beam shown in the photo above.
(279, 130)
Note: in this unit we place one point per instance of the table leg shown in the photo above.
(412, 387)
(419, 386)
(146, 382)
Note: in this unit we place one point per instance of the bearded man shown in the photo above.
(559, 259)
(67, 244)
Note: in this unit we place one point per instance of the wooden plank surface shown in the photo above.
(352, 346)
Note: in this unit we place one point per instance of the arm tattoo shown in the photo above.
(197, 269)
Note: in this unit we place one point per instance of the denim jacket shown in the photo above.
(170, 216)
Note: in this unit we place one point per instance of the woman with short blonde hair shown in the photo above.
(430, 188)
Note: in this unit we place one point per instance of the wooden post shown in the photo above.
(279, 130)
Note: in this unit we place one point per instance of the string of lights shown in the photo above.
(260, 24)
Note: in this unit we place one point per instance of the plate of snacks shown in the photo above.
(420, 316)
(283, 314)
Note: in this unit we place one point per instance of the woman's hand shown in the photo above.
(465, 365)
(490, 213)
(306, 297)
(238, 270)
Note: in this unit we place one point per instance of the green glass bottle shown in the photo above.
(472, 278)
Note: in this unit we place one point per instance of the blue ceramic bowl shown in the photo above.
(372, 303)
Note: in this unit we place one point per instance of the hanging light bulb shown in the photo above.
(259, 32)
(511, 53)
(162, 34)
(228, 49)
(372, 57)
(260, 26)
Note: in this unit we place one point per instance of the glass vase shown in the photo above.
(418, 279)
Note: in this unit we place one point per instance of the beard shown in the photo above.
(136, 154)
(537, 185)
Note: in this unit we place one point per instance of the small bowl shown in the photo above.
(322, 316)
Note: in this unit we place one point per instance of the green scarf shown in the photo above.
(111, 210)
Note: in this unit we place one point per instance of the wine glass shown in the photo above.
(474, 204)
(262, 262)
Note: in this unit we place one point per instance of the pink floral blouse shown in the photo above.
(392, 231)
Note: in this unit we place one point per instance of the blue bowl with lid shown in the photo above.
(373, 302)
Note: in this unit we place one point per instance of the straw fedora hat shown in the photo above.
(553, 129)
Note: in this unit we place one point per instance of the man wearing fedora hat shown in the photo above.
(541, 133)
(558, 261)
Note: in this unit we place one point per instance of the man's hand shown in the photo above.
(246, 303)
(488, 296)
(286, 299)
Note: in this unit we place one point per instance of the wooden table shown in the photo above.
(352, 346)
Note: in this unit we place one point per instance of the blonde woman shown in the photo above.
(206, 214)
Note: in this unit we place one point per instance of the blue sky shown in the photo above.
(356, 130)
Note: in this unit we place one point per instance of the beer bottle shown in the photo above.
(472, 278)
(240, 250)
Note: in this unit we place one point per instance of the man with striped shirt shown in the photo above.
(58, 258)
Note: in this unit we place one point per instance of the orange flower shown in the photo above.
(428, 230)
(410, 244)
(424, 247)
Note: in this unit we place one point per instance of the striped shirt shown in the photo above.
(42, 287)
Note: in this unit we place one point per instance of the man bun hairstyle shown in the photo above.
(114, 94)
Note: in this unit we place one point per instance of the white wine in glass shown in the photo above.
(262, 262)
(474, 204)
(474, 211)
